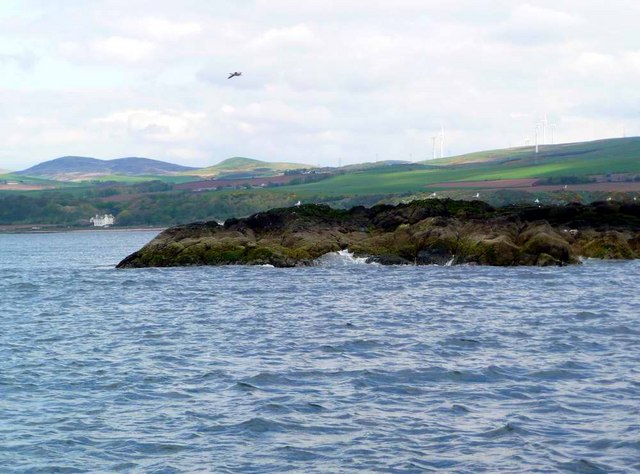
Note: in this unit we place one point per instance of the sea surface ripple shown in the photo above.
(335, 368)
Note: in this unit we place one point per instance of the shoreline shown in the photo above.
(47, 229)
(427, 232)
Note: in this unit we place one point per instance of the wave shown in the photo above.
(508, 429)
(583, 466)
(340, 259)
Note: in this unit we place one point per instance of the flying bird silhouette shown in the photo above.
(234, 74)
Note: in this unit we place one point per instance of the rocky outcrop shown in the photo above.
(421, 233)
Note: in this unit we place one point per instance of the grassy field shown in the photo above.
(29, 180)
(240, 164)
(145, 201)
(576, 160)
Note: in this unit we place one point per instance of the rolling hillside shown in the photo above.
(16, 182)
(78, 168)
(602, 170)
(590, 157)
(573, 163)
(243, 167)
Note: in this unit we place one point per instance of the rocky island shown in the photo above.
(417, 233)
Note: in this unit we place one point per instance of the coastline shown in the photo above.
(51, 229)
(427, 232)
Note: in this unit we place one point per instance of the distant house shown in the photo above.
(102, 221)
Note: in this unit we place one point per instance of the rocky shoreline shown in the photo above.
(417, 233)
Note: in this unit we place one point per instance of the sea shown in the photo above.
(340, 367)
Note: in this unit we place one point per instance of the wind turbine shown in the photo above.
(537, 131)
(544, 123)
(441, 141)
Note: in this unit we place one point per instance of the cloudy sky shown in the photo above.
(323, 81)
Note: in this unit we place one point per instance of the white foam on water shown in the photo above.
(340, 259)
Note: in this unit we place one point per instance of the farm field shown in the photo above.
(580, 160)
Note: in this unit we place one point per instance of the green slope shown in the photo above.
(30, 180)
(577, 160)
(615, 150)
(243, 165)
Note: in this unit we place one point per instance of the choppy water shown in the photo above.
(331, 369)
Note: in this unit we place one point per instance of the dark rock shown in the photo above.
(420, 232)
(388, 260)
(434, 256)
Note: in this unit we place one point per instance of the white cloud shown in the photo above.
(112, 49)
(278, 113)
(25, 60)
(160, 29)
(288, 37)
(126, 49)
(534, 25)
(161, 125)
(623, 66)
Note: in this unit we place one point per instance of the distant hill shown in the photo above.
(75, 168)
(373, 165)
(575, 164)
(601, 153)
(247, 166)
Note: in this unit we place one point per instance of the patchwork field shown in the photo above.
(502, 169)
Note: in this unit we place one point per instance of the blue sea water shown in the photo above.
(338, 368)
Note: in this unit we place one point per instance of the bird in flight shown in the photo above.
(234, 74)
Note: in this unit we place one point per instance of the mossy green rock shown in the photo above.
(421, 233)
(610, 245)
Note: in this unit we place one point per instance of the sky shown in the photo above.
(324, 82)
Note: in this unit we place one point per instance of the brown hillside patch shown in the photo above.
(23, 187)
(233, 183)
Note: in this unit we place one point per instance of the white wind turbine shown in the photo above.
(544, 122)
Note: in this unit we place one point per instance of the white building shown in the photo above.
(102, 221)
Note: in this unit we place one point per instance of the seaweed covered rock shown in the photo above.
(609, 245)
(419, 233)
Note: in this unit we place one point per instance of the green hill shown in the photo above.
(239, 164)
(81, 168)
(34, 180)
(583, 157)
(580, 161)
